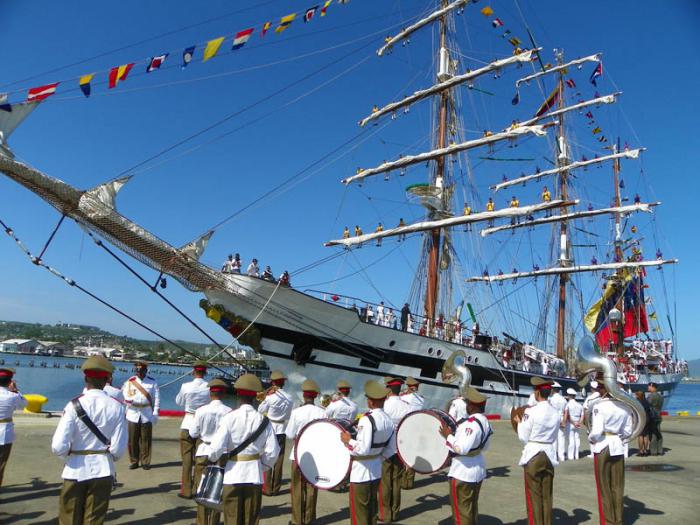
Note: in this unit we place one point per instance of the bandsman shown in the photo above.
(375, 440)
(277, 405)
(610, 425)
(303, 493)
(538, 432)
(468, 467)
(458, 408)
(415, 402)
(246, 440)
(205, 422)
(10, 400)
(342, 407)
(392, 468)
(142, 398)
(191, 396)
(113, 391)
(90, 437)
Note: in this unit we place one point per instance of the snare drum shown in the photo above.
(419, 443)
(211, 488)
(321, 456)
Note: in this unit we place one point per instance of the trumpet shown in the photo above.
(325, 400)
(260, 396)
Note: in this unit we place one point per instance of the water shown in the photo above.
(685, 397)
(61, 384)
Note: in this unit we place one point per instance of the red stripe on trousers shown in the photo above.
(597, 488)
(454, 502)
(530, 519)
(381, 503)
(353, 516)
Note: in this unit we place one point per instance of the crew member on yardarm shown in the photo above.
(247, 441)
(375, 440)
(90, 437)
(468, 467)
(277, 404)
(304, 494)
(142, 398)
(191, 396)
(10, 400)
(537, 430)
(204, 424)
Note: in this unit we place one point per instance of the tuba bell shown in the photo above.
(590, 360)
(455, 370)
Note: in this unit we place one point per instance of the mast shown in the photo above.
(431, 291)
(564, 259)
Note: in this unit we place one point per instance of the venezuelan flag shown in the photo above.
(285, 22)
(551, 101)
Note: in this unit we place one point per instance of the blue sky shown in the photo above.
(650, 53)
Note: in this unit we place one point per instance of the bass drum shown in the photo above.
(419, 443)
(211, 488)
(323, 459)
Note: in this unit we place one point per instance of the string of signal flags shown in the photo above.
(210, 49)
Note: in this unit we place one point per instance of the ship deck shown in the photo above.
(32, 483)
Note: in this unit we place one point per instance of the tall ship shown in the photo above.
(530, 233)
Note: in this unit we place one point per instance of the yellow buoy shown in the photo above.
(35, 402)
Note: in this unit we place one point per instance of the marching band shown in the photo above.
(233, 456)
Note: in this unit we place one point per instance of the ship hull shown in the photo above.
(307, 337)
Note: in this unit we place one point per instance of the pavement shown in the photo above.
(662, 489)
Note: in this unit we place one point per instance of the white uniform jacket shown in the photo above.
(114, 393)
(205, 422)
(9, 402)
(278, 407)
(300, 417)
(559, 402)
(538, 431)
(574, 413)
(458, 409)
(72, 438)
(138, 409)
(233, 430)
(414, 400)
(610, 424)
(343, 408)
(395, 407)
(367, 459)
(473, 433)
(192, 395)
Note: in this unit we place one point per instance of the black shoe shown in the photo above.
(133, 466)
(146, 467)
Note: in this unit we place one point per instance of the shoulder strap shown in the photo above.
(484, 436)
(255, 435)
(374, 444)
(82, 415)
(143, 391)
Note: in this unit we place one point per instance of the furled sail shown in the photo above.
(452, 221)
(569, 269)
(562, 67)
(645, 207)
(406, 32)
(408, 160)
(607, 99)
(525, 56)
(629, 154)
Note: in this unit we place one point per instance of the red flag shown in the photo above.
(42, 92)
(570, 82)
(119, 73)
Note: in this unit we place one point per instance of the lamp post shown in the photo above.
(615, 317)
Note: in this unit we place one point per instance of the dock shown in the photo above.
(659, 490)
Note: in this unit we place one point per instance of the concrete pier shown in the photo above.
(659, 490)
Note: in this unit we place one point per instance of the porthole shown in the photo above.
(469, 359)
(392, 343)
(430, 351)
(439, 352)
(476, 360)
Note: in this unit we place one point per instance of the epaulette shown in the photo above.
(471, 419)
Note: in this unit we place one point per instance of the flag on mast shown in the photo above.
(285, 22)
(85, 84)
(212, 48)
(241, 38)
(325, 7)
(309, 14)
(119, 73)
(266, 26)
(187, 55)
(597, 72)
(551, 101)
(42, 92)
(156, 62)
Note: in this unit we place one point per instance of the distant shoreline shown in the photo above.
(46, 357)
(691, 380)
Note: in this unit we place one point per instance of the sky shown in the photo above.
(286, 102)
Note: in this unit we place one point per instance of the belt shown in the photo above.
(372, 456)
(139, 405)
(611, 434)
(244, 457)
(6, 420)
(87, 452)
(542, 442)
(277, 420)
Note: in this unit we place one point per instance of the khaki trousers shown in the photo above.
(140, 439)
(4, 457)
(273, 478)
(464, 499)
(610, 485)
(304, 497)
(363, 503)
(84, 502)
(205, 515)
(539, 480)
(242, 504)
(188, 446)
(390, 489)
(408, 478)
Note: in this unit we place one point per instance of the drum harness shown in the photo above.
(485, 437)
(374, 444)
(234, 454)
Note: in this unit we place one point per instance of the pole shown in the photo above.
(564, 260)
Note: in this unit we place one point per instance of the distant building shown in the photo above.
(51, 348)
(19, 346)
(88, 351)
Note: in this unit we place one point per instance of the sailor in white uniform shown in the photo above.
(90, 437)
(558, 402)
(191, 396)
(142, 398)
(468, 467)
(342, 407)
(10, 400)
(574, 420)
(278, 407)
